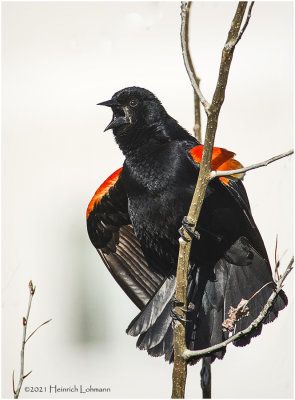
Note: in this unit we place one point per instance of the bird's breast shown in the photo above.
(159, 185)
(157, 204)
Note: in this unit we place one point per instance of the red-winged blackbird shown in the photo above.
(133, 221)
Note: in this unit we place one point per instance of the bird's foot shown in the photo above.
(189, 308)
(176, 303)
(187, 226)
(177, 317)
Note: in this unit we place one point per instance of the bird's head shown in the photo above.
(136, 111)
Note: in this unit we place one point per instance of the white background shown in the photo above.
(59, 60)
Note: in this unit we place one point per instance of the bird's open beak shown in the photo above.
(119, 117)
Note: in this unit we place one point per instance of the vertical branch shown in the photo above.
(16, 391)
(213, 114)
(179, 371)
(184, 34)
(185, 20)
(180, 365)
(198, 122)
(22, 353)
(195, 80)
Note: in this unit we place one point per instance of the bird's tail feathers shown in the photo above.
(154, 309)
(213, 297)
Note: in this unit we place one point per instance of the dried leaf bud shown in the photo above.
(24, 321)
(32, 288)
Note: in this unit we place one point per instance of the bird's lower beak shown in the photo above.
(119, 117)
(116, 122)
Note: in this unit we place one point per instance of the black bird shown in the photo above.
(133, 221)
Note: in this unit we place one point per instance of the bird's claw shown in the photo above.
(176, 303)
(177, 317)
(187, 310)
(174, 314)
(187, 226)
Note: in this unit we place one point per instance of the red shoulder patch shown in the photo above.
(222, 160)
(103, 190)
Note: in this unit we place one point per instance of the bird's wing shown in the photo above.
(223, 160)
(112, 234)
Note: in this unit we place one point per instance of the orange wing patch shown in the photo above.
(222, 160)
(103, 190)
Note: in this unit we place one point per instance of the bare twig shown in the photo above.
(277, 262)
(246, 23)
(22, 353)
(259, 290)
(215, 174)
(180, 366)
(44, 323)
(277, 275)
(13, 386)
(205, 352)
(195, 80)
(22, 376)
(28, 374)
(198, 122)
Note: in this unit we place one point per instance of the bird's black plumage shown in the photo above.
(133, 221)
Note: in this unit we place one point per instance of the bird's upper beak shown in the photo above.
(119, 117)
(108, 103)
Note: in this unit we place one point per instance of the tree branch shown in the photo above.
(205, 352)
(44, 323)
(216, 174)
(246, 23)
(180, 365)
(16, 391)
(195, 80)
(198, 123)
(22, 353)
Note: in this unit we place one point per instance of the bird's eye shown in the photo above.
(133, 102)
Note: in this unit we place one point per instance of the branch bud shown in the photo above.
(32, 288)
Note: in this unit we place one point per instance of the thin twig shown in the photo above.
(28, 374)
(198, 122)
(13, 385)
(195, 80)
(259, 290)
(22, 353)
(277, 263)
(209, 350)
(246, 23)
(216, 174)
(44, 323)
(180, 365)
(22, 376)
